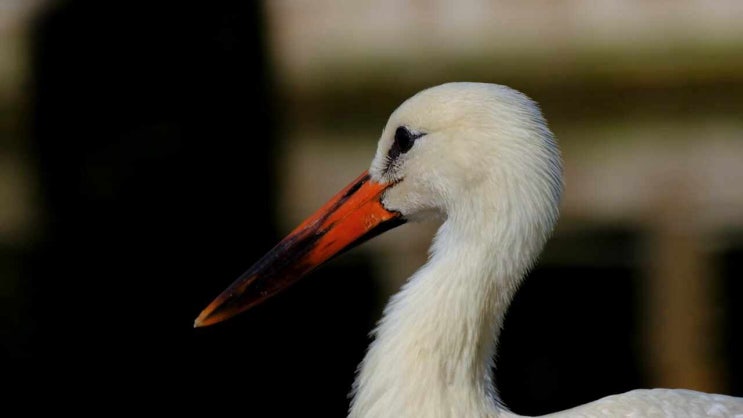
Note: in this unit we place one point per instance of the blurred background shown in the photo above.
(151, 151)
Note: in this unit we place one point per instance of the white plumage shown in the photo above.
(481, 157)
(488, 164)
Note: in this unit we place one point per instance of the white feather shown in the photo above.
(490, 166)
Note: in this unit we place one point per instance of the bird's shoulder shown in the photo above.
(660, 403)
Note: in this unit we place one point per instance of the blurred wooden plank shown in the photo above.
(682, 331)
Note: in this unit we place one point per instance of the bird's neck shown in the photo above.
(434, 348)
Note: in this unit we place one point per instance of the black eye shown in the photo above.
(404, 139)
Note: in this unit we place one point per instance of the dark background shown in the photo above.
(153, 128)
(154, 136)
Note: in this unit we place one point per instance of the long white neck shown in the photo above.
(434, 347)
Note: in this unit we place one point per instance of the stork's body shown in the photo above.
(482, 157)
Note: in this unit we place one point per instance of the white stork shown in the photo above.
(482, 157)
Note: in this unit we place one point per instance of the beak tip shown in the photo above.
(201, 321)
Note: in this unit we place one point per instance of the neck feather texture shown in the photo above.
(434, 348)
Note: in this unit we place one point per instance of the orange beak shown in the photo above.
(351, 217)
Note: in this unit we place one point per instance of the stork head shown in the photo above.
(462, 144)
(458, 149)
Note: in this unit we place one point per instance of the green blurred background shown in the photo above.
(152, 151)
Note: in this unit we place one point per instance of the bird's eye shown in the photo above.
(404, 139)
